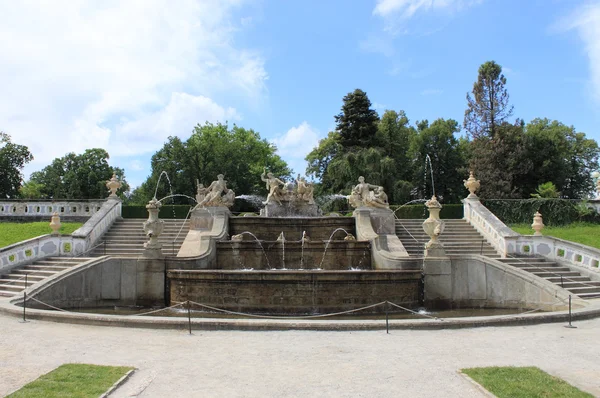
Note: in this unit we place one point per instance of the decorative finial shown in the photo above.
(538, 224)
(472, 185)
(113, 184)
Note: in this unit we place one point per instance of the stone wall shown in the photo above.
(294, 292)
(269, 229)
(335, 255)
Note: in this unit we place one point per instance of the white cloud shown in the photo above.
(295, 144)
(408, 8)
(136, 165)
(121, 75)
(586, 21)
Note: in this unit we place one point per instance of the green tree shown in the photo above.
(80, 176)
(31, 190)
(561, 155)
(212, 149)
(13, 158)
(447, 160)
(488, 108)
(501, 162)
(357, 122)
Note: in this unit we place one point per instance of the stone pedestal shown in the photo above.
(382, 220)
(437, 282)
(150, 281)
(202, 219)
(290, 209)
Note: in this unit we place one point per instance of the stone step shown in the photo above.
(589, 295)
(568, 284)
(55, 268)
(584, 289)
(534, 264)
(5, 293)
(521, 260)
(564, 274)
(539, 268)
(557, 279)
(16, 282)
(21, 277)
(33, 271)
(11, 288)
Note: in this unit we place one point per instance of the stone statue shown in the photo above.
(378, 199)
(361, 194)
(214, 194)
(200, 191)
(305, 190)
(273, 185)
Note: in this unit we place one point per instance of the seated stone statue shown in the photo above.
(361, 193)
(378, 199)
(214, 194)
(276, 194)
(305, 190)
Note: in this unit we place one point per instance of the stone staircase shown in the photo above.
(459, 238)
(126, 238)
(565, 277)
(14, 283)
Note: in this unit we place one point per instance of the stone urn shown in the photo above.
(538, 224)
(113, 184)
(433, 226)
(55, 224)
(153, 226)
(472, 185)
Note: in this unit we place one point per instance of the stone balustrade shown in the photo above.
(559, 250)
(490, 226)
(44, 208)
(78, 243)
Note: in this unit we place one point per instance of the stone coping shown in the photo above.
(592, 310)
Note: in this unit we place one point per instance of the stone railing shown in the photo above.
(76, 244)
(43, 208)
(559, 250)
(487, 224)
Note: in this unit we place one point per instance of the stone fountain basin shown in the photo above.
(317, 228)
(295, 291)
(327, 255)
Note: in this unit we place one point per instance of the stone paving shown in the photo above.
(405, 363)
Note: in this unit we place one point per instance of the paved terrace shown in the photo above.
(409, 363)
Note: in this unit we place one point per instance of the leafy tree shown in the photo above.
(212, 149)
(501, 162)
(448, 164)
(13, 158)
(488, 108)
(31, 190)
(319, 159)
(81, 176)
(562, 156)
(357, 122)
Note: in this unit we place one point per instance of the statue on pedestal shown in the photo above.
(362, 195)
(216, 194)
(273, 185)
(305, 190)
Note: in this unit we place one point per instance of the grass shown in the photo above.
(584, 233)
(523, 382)
(12, 232)
(73, 380)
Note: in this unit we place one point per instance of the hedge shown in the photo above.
(553, 211)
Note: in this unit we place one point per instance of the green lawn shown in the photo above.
(522, 383)
(585, 233)
(73, 380)
(12, 232)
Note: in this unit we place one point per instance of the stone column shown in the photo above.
(153, 228)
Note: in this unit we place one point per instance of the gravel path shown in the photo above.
(298, 363)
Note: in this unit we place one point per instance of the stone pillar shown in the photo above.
(538, 224)
(55, 224)
(437, 279)
(433, 227)
(153, 228)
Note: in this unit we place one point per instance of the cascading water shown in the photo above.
(327, 244)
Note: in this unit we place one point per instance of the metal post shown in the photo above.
(105, 248)
(481, 249)
(24, 305)
(26, 281)
(563, 285)
(569, 325)
(387, 318)
(189, 316)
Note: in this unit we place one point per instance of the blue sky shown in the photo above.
(125, 75)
